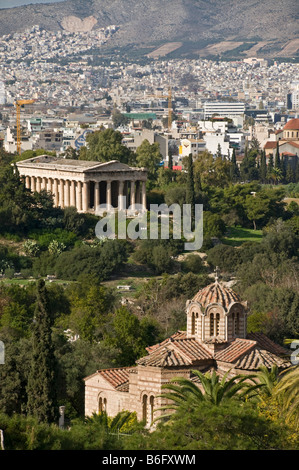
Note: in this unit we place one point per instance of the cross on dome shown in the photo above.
(217, 273)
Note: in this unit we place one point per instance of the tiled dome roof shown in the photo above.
(216, 293)
(292, 125)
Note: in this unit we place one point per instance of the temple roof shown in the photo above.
(81, 166)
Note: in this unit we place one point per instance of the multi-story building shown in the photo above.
(231, 110)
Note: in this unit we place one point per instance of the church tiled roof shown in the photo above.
(246, 354)
(257, 357)
(116, 377)
(176, 352)
(292, 124)
(249, 354)
(234, 350)
(178, 335)
(216, 293)
(266, 343)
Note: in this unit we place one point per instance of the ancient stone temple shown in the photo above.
(85, 184)
(215, 339)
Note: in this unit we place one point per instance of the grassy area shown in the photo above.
(238, 235)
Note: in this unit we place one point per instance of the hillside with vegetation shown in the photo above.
(54, 269)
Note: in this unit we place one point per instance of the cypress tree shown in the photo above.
(270, 168)
(170, 160)
(277, 162)
(219, 151)
(234, 169)
(283, 166)
(263, 167)
(41, 387)
(190, 193)
(290, 174)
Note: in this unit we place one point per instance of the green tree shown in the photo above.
(270, 168)
(211, 171)
(190, 194)
(234, 169)
(248, 167)
(215, 390)
(256, 208)
(232, 426)
(287, 392)
(129, 336)
(263, 167)
(119, 119)
(269, 379)
(41, 388)
(106, 145)
(149, 156)
(89, 311)
(277, 161)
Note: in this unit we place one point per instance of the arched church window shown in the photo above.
(193, 324)
(217, 324)
(152, 399)
(212, 324)
(102, 405)
(144, 408)
(236, 323)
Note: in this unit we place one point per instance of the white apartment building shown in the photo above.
(231, 110)
(214, 139)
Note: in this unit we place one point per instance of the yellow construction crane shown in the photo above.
(169, 96)
(19, 104)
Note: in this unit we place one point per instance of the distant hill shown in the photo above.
(217, 28)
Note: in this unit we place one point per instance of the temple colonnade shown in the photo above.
(85, 184)
(88, 195)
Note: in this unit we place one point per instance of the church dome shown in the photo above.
(216, 293)
(292, 125)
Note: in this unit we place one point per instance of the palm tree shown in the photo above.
(113, 425)
(213, 391)
(287, 392)
(268, 378)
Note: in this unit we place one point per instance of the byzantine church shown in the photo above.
(216, 338)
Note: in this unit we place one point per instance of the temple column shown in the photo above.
(85, 198)
(144, 194)
(121, 193)
(38, 184)
(49, 185)
(108, 193)
(133, 195)
(73, 194)
(27, 182)
(33, 183)
(55, 192)
(96, 194)
(61, 194)
(44, 183)
(79, 196)
(67, 193)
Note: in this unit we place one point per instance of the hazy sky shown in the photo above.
(18, 3)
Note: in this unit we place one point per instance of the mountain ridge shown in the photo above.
(272, 23)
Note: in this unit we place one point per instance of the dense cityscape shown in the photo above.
(116, 342)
